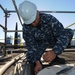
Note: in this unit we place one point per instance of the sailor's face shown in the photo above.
(35, 23)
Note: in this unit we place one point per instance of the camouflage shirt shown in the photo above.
(48, 32)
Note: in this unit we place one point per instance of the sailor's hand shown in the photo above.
(38, 67)
(49, 56)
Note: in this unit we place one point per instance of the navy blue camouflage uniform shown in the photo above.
(48, 32)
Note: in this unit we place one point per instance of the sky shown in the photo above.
(42, 5)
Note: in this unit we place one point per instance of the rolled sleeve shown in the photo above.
(63, 41)
(61, 35)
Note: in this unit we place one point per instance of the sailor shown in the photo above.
(41, 31)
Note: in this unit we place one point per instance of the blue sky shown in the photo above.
(46, 5)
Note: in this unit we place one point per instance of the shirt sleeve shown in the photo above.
(61, 36)
(35, 51)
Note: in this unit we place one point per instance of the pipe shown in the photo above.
(14, 3)
(13, 11)
(4, 68)
(6, 16)
(3, 27)
(28, 69)
(3, 9)
(58, 11)
(17, 30)
(13, 31)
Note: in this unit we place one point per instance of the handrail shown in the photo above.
(3, 27)
(22, 30)
(3, 9)
(70, 25)
(58, 11)
(14, 3)
(13, 11)
(13, 31)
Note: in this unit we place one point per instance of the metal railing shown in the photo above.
(7, 13)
